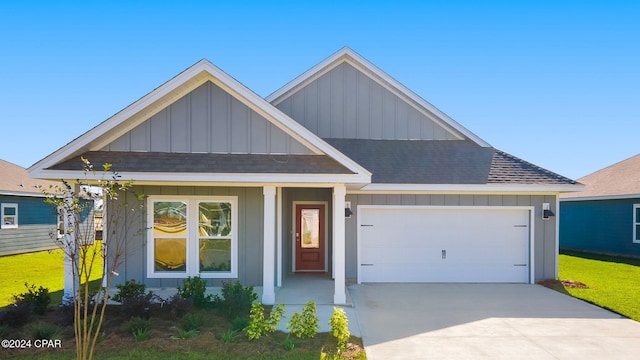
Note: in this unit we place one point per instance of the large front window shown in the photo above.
(192, 236)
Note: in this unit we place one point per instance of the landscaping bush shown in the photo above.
(258, 325)
(134, 299)
(236, 300)
(193, 289)
(16, 315)
(191, 322)
(306, 324)
(138, 323)
(339, 325)
(42, 330)
(39, 298)
(177, 306)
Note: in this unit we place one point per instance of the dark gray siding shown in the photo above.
(250, 234)
(36, 220)
(208, 120)
(603, 226)
(544, 230)
(345, 103)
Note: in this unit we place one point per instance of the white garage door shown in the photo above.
(437, 244)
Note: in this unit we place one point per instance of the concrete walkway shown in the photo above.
(487, 321)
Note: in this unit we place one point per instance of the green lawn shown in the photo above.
(45, 268)
(613, 282)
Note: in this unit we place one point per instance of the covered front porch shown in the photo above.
(282, 269)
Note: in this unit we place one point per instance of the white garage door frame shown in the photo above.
(530, 209)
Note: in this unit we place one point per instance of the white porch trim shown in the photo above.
(339, 267)
(268, 260)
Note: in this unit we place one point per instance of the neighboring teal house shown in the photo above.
(27, 220)
(605, 217)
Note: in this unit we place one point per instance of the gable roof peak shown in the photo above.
(348, 55)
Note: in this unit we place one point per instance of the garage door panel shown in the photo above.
(444, 245)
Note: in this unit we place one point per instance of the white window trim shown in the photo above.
(2, 215)
(635, 224)
(192, 237)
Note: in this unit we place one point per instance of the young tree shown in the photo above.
(84, 258)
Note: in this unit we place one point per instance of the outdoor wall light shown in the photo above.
(347, 209)
(546, 211)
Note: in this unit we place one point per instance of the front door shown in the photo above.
(310, 237)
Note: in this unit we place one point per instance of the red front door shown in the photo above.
(310, 237)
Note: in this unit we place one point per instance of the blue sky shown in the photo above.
(556, 83)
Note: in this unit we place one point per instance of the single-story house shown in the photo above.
(27, 221)
(605, 216)
(343, 171)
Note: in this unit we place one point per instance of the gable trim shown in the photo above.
(376, 74)
(178, 86)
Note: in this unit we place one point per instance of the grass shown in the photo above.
(45, 268)
(612, 282)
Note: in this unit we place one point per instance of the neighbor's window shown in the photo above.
(9, 213)
(636, 223)
(192, 236)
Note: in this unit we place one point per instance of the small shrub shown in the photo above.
(193, 289)
(228, 336)
(130, 289)
(39, 298)
(42, 330)
(138, 323)
(177, 306)
(236, 300)
(141, 334)
(239, 323)
(16, 315)
(339, 325)
(4, 330)
(191, 322)
(306, 324)
(135, 301)
(184, 334)
(288, 343)
(258, 325)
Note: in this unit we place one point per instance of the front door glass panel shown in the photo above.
(310, 222)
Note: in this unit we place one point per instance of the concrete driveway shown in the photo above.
(487, 321)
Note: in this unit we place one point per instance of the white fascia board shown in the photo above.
(347, 55)
(464, 188)
(604, 197)
(24, 194)
(138, 106)
(200, 178)
(190, 79)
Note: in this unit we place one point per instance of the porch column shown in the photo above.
(339, 194)
(69, 248)
(269, 243)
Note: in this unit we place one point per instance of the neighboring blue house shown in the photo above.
(605, 217)
(27, 220)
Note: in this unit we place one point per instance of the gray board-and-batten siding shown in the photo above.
(208, 120)
(345, 103)
(250, 227)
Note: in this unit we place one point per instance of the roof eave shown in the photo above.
(472, 188)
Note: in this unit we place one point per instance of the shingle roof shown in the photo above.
(619, 179)
(442, 162)
(15, 179)
(208, 163)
